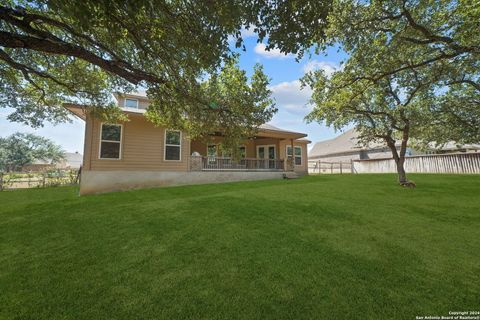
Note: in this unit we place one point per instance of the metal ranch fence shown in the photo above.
(318, 166)
(22, 180)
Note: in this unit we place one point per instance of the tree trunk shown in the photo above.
(402, 175)
(400, 158)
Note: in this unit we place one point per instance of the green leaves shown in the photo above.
(54, 52)
(415, 63)
(227, 103)
(57, 52)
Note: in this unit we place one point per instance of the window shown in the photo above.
(242, 152)
(131, 103)
(298, 154)
(173, 145)
(110, 141)
(212, 152)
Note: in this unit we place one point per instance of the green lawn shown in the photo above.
(324, 247)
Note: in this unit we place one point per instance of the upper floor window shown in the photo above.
(173, 145)
(131, 103)
(110, 141)
(298, 154)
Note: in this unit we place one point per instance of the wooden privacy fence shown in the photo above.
(21, 180)
(319, 166)
(438, 163)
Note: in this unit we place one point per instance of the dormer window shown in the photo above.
(131, 103)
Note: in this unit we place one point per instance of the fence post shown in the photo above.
(341, 169)
(1, 181)
(43, 180)
(351, 166)
(331, 167)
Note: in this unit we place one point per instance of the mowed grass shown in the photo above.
(322, 247)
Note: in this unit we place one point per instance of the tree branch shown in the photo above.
(26, 71)
(431, 37)
(466, 81)
(43, 41)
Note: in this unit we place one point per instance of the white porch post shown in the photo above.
(292, 159)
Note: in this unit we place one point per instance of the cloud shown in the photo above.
(328, 67)
(290, 97)
(4, 113)
(275, 53)
(248, 33)
(244, 33)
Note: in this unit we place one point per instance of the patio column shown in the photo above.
(292, 159)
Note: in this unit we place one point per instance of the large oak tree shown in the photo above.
(430, 48)
(56, 51)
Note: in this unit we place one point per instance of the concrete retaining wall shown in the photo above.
(106, 181)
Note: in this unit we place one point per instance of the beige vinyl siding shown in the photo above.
(142, 148)
(250, 149)
(303, 145)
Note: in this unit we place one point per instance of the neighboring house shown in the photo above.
(345, 148)
(39, 166)
(136, 154)
(73, 160)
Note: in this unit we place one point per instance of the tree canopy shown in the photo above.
(20, 149)
(54, 51)
(435, 40)
(236, 105)
(395, 108)
(412, 72)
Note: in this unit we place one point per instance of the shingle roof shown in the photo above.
(345, 142)
(74, 159)
(268, 126)
(348, 142)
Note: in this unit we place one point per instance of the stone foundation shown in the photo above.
(107, 181)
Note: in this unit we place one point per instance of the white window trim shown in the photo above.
(125, 103)
(293, 154)
(171, 145)
(101, 140)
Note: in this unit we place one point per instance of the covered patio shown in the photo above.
(271, 149)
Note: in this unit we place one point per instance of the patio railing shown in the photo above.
(199, 163)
